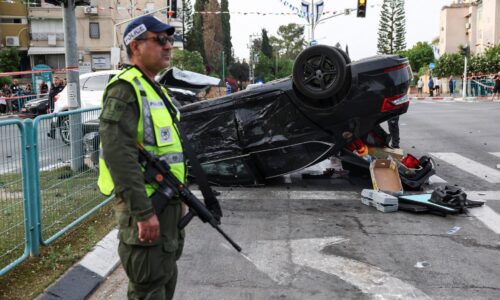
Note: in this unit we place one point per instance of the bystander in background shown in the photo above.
(496, 87)
(451, 85)
(420, 86)
(437, 86)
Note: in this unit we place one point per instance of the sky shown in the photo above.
(360, 34)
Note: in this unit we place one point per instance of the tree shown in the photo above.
(266, 47)
(449, 64)
(187, 60)
(419, 55)
(392, 27)
(194, 41)
(187, 21)
(226, 29)
(9, 62)
(213, 37)
(264, 69)
(239, 71)
(290, 40)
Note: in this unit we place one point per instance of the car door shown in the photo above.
(92, 90)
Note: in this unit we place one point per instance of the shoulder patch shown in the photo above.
(113, 109)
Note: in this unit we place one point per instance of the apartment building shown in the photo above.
(469, 22)
(38, 29)
(14, 30)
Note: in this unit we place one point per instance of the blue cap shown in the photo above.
(143, 24)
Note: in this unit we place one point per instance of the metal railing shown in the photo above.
(46, 187)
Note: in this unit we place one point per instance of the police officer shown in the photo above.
(133, 112)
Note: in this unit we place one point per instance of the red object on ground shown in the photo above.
(410, 161)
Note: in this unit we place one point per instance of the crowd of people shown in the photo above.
(13, 96)
(478, 84)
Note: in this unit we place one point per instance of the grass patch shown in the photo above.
(29, 279)
(65, 195)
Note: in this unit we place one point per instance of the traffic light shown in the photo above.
(465, 50)
(361, 8)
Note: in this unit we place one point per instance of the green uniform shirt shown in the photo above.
(118, 132)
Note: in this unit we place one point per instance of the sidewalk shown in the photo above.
(453, 99)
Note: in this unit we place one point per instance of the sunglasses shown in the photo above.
(162, 40)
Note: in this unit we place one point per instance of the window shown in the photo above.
(94, 30)
(96, 83)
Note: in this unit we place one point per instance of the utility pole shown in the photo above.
(73, 77)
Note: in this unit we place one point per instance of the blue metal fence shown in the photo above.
(48, 180)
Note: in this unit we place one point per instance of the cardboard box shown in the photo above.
(385, 176)
(384, 152)
(381, 201)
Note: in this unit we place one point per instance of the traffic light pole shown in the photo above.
(464, 85)
(73, 77)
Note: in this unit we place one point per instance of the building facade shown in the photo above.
(37, 28)
(14, 29)
(475, 23)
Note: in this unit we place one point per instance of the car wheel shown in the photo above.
(319, 72)
(64, 130)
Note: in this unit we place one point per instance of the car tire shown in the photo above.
(64, 130)
(319, 72)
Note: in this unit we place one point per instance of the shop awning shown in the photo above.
(46, 50)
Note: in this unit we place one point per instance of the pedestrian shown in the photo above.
(7, 92)
(451, 85)
(3, 103)
(136, 109)
(420, 86)
(496, 87)
(431, 87)
(55, 89)
(437, 86)
(229, 89)
(17, 91)
(393, 125)
(44, 89)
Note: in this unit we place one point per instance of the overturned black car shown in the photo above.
(292, 123)
(289, 124)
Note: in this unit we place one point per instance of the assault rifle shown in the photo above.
(157, 172)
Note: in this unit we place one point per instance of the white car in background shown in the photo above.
(92, 87)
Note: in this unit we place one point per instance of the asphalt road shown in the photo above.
(52, 152)
(313, 239)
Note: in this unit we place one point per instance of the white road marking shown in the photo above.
(469, 166)
(495, 153)
(436, 179)
(273, 258)
(487, 216)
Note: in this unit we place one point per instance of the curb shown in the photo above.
(85, 276)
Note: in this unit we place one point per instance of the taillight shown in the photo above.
(394, 102)
(56, 97)
(395, 68)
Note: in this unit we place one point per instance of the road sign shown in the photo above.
(432, 66)
(314, 42)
